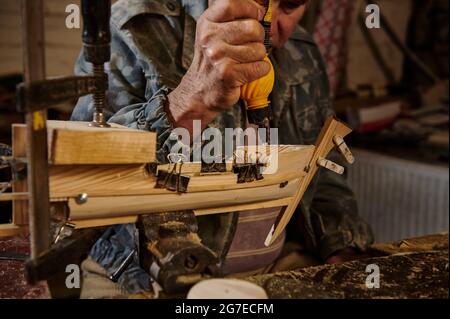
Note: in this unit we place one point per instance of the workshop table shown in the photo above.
(413, 268)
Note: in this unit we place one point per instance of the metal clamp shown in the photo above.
(248, 171)
(171, 179)
(40, 95)
(214, 167)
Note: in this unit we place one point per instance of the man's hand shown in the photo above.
(229, 52)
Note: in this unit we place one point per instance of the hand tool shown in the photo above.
(256, 93)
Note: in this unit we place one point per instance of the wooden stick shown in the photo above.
(34, 70)
(120, 206)
(4, 197)
(237, 208)
(104, 222)
(324, 145)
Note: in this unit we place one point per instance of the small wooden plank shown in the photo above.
(198, 212)
(77, 143)
(104, 222)
(119, 206)
(7, 230)
(238, 208)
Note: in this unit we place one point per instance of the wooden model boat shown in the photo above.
(101, 176)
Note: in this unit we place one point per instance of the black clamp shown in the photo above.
(40, 95)
(171, 179)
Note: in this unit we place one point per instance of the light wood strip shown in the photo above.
(238, 208)
(79, 224)
(4, 197)
(115, 206)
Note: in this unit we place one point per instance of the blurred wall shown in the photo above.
(62, 44)
(362, 67)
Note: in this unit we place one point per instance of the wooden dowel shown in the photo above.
(4, 197)
(34, 70)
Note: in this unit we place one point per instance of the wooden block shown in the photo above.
(7, 230)
(78, 143)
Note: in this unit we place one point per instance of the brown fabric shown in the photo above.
(247, 251)
(293, 256)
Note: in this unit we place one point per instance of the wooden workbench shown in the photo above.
(413, 268)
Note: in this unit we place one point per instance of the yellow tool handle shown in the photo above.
(256, 93)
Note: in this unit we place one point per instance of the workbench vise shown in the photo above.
(172, 252)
